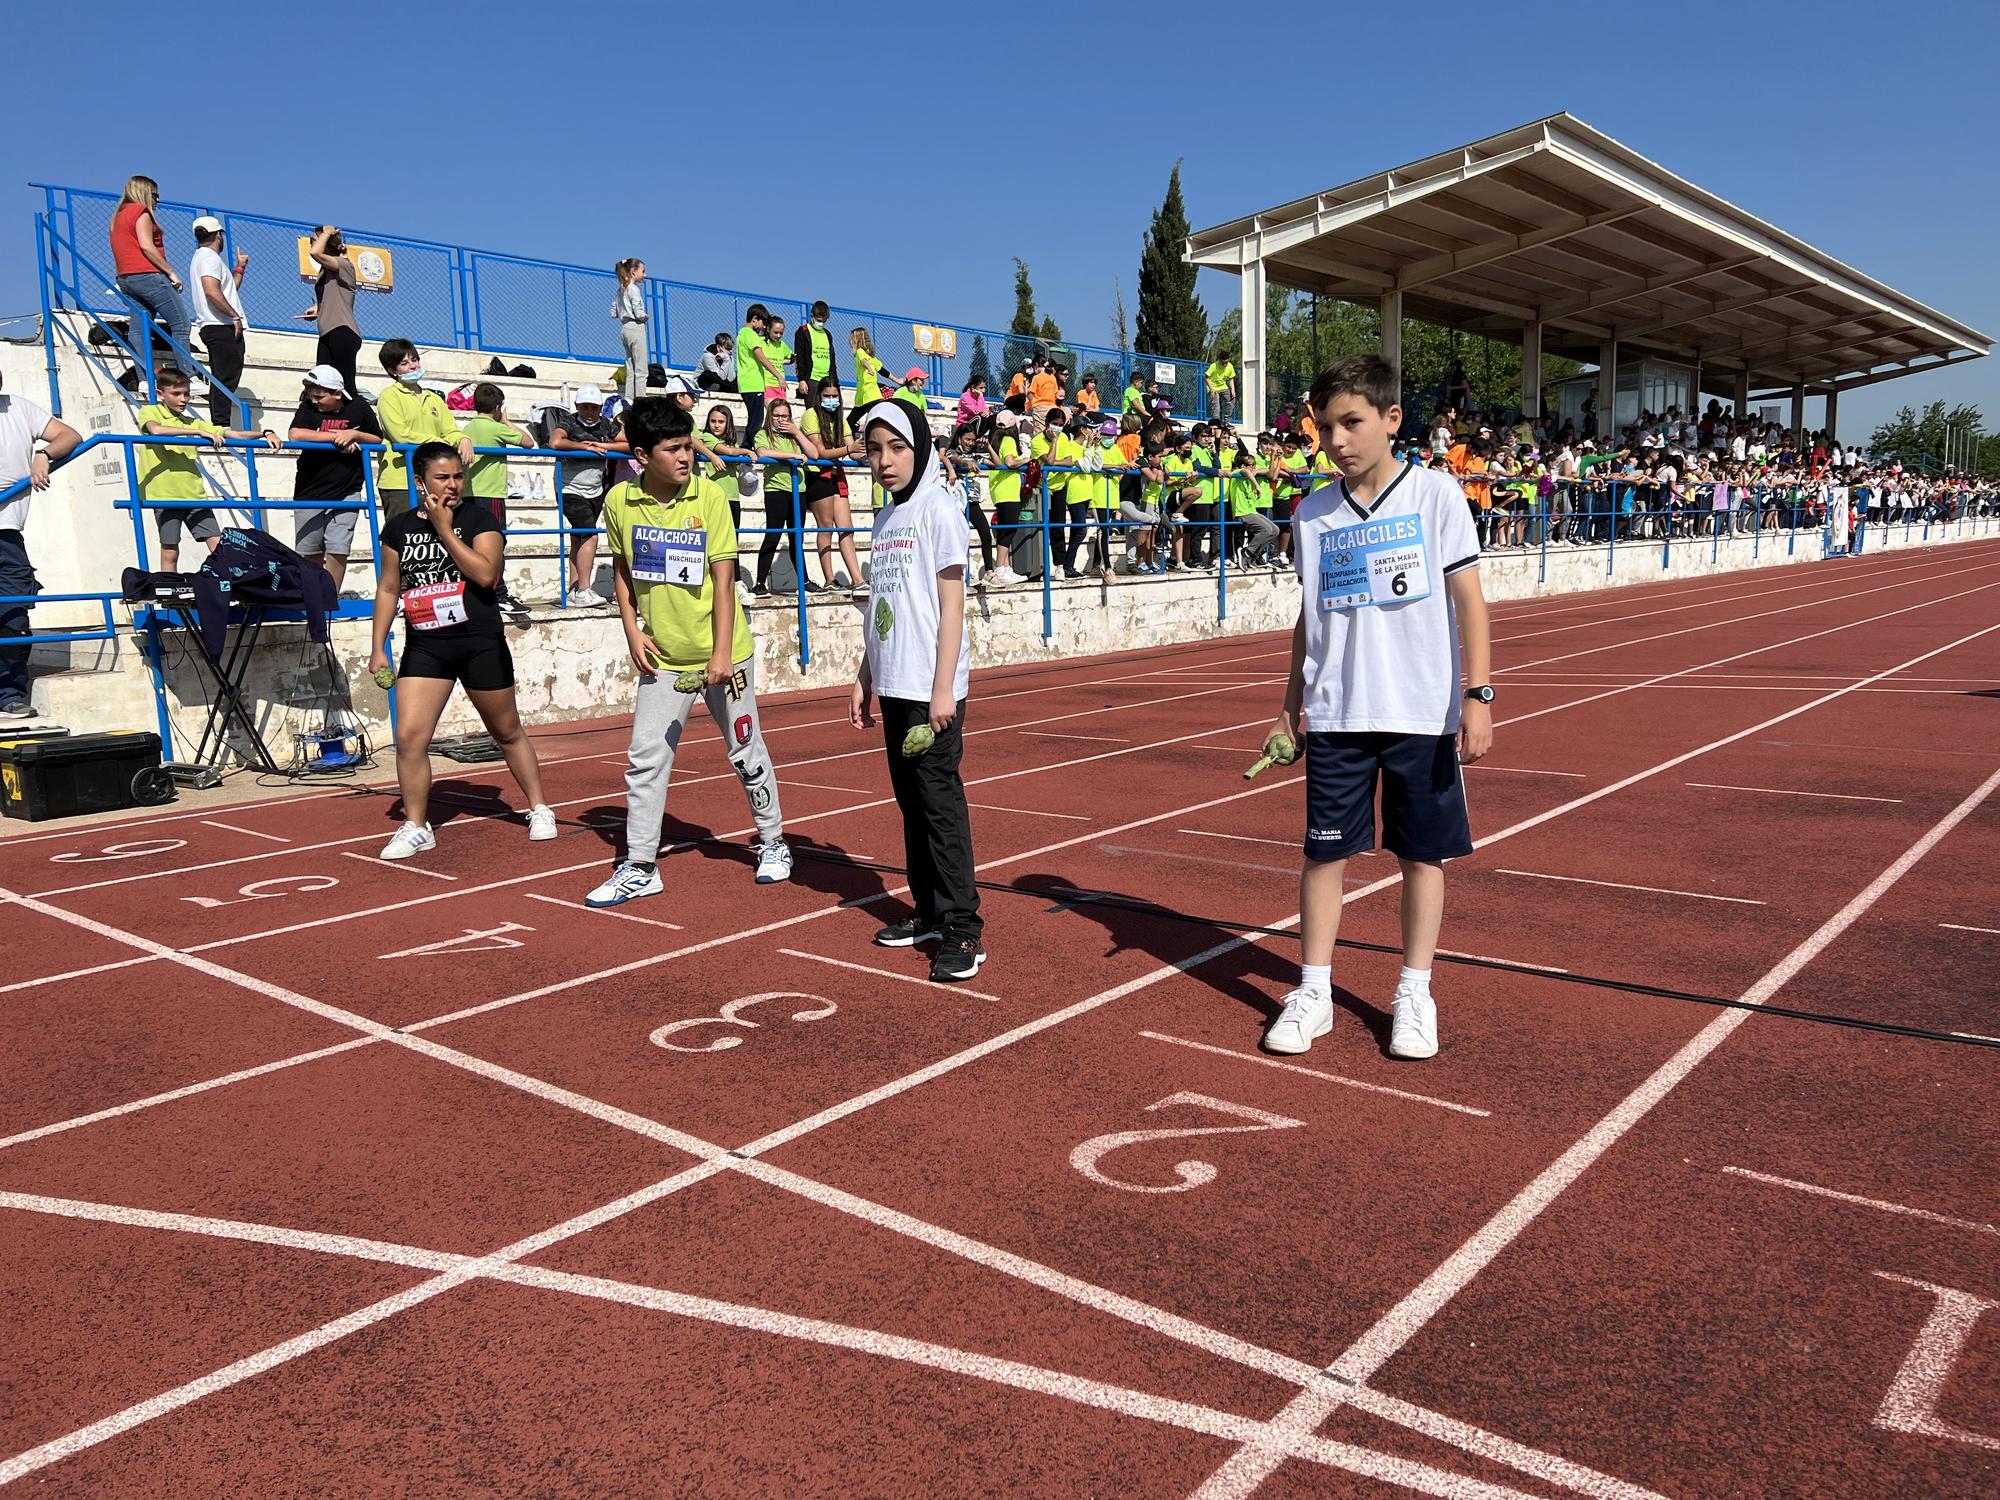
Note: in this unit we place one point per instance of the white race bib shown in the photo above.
(432, 606)
(1382, 561)
(662, 554)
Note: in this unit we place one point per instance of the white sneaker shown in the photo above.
(627, 883)
(1307, 1014)
(541, 822)
(744, 592)
(774, 862)
(585, 599)
(1413, 1028)
(411, 838)
(1007, 578)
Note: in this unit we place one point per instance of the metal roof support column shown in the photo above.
(1607, 393)
(1392, 333)
(1254, 375)
(1742, 394)
(1832, 413)
(1531, 370)
(1799, 414)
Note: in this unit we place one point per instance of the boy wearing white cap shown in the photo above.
(582, 485)
(218, 313)
(330, 413)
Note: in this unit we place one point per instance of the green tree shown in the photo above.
(1924, 441)
(979, 367)
(1172, 322)
(1025, 327)
(1121, 329)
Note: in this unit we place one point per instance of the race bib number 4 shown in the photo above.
(434, 606)
(662, 554)
(1376, 562)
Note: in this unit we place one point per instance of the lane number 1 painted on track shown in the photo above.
(1192, 1174)
(130, 849)
(1911, 1404)
(732, 1015)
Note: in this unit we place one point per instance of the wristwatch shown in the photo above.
(1480, 694)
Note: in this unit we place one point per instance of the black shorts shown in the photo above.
(479, 663)
(1423, 796)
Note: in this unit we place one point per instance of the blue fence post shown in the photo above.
(1666, 523)
(1048, 586)
(1542, 572)
(42, 276)
(1611, 552)
(798, 528)
(1221, 547)
(142, 325)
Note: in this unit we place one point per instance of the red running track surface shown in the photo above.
(325, 1175)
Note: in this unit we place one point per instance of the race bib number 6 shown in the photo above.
(1377, 562)
(433, 606)
(662, 554)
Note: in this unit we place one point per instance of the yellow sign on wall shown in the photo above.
(374, 266)
(931, 340)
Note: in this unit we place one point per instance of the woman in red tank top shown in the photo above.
(138, 256)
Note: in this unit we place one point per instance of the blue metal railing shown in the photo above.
(465, 298)
(1573, 515)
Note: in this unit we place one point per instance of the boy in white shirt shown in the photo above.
(1390, 566)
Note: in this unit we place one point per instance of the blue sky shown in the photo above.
(898, 158)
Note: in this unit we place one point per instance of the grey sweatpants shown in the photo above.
(658, 719)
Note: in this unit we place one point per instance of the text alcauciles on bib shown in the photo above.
(1384, 561)
(663, 554)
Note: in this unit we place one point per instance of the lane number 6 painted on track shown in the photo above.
(731, 1015)
(1192, 1174)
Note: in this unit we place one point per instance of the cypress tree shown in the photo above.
(1172, 322)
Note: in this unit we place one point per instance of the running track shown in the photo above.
(323, 1175)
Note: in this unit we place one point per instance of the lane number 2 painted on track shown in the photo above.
(1191, 1174)
(732, 1015)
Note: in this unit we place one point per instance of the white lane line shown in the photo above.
(1956, 927)
(1029, 812)
(456, 1269)
(398, 864)
(1657, 890)
(607, 911)
(133, 1106)
(246, 832)
(1974, 1036)
(1779, 791)
(942, 991)
(1512, 963)
(821, 786)
(1199, 859)
(1526, 771)
(1103, 739)
(1241, 838)
(1250, 1466)
(32, 984)
(874, 750)
(1352, 1083)
(1878, 1203)
(1251, 750)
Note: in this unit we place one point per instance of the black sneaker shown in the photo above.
(959, 958)
(906, 934)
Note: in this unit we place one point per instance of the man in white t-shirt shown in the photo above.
(1389, 561)
(216, 300)
(24, 469)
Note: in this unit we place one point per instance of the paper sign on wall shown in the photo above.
(374, 266)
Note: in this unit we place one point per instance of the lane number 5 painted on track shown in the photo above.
(1192, 1174)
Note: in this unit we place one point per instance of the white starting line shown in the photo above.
(1779, 791)
(1621, 885)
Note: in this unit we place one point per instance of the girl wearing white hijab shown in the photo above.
(918, 661)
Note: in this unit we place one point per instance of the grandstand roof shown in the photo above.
(1558, 223)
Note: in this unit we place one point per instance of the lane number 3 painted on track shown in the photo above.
(732, 1015)
(1192, 1174)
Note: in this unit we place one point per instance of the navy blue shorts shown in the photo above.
(1423, 796)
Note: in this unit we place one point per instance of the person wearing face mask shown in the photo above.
(442, 562)
(918, 659)
(408, 414)
(824, 490)
(812, 354)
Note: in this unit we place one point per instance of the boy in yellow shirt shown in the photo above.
(673, 553)
(409, 416)
(171, 473)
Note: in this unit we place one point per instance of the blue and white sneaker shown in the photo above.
(774, 862)
(628, 882)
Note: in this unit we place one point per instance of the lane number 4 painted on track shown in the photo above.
(1191, 1174)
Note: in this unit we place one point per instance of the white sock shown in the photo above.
(1414, 979)
(1316, 977)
